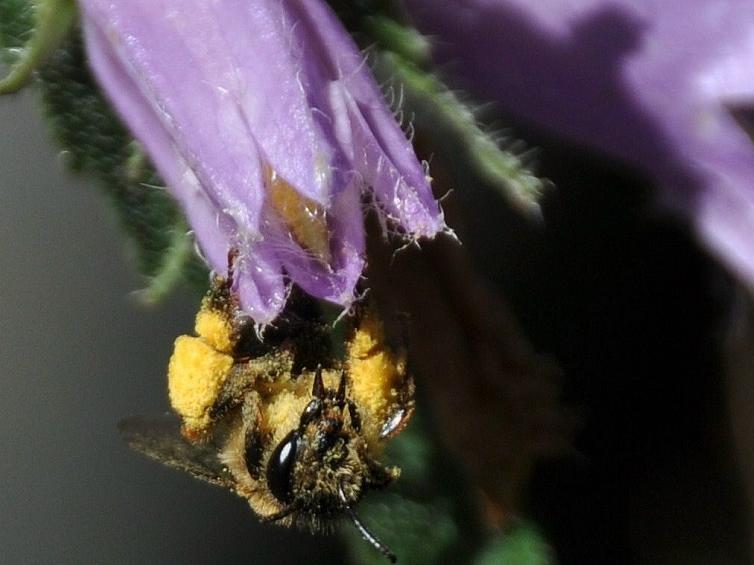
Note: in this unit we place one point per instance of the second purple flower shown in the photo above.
(267, 127)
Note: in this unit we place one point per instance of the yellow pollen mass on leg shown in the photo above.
(195, 374)
(376, 371)
(215, 328)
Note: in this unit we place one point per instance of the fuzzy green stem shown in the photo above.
(404, 41)
(405, 56)
(170, 273)
(436, 106)
(53, 20)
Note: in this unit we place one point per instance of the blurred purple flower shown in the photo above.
(267, 126)
(649, 81)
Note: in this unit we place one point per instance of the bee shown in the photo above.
(282, 422)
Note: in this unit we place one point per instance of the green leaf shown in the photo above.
(16, 28)
(426, 517)
(523, 545)
(95, 142)
(417, 533)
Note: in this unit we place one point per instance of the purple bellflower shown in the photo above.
(649, 81)
(268, 127)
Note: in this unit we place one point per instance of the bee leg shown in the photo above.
(221, 296)
(396, 343)
(285, 512)
(397, 422)
(254, 436)
(232, 256)
(240, 381)
(404, 409)
(380, 477)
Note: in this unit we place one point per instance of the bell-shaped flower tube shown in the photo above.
(269, 130)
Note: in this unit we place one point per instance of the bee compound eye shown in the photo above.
(280, 467)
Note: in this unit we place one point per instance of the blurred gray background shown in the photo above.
(78, 352)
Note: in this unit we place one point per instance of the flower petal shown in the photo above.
(201, 213)
(368, 133)
(259, 281)
(276, 81)
(648, 82)
(182, 72)
(404, 193)
(267, 126)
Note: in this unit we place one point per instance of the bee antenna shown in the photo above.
(341, 394)
(318, 388)
(368, 536)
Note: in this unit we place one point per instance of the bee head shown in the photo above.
(322, 467)
(324, 455)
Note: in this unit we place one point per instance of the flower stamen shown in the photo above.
(306, 220)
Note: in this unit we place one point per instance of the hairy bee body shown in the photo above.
(287, 426)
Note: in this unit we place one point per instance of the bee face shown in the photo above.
(324, 464)
(314, 465)
(321, 456)
(311, 460)
(291, 429)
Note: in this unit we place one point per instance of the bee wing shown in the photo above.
(160, 438)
